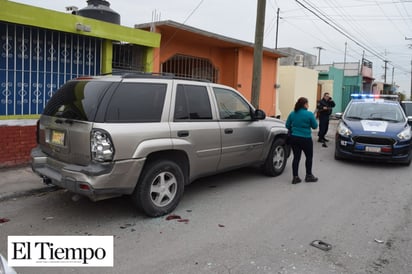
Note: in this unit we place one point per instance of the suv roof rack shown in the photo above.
(139, 74)
(164, 75)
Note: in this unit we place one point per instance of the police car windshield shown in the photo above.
(391, 112)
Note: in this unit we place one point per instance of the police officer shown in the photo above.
(324, 109)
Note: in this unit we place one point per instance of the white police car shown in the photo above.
(374, 127)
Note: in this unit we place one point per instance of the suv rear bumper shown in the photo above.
(96, 181)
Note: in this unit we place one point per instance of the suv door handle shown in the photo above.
(183, 133)
(228, 130)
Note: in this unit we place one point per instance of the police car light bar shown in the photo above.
(374, 96)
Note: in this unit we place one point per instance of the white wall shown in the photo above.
(296, 82)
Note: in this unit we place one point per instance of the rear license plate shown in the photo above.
(373, 149)
(57, 137)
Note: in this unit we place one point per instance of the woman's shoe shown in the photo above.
(310, 178)
(296, 180)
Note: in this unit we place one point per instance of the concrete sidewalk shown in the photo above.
(20, 181)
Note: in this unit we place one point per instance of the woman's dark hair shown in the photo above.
(300, 103)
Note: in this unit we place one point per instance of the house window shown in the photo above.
(128, 57)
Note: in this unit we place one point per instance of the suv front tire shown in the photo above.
(277, 159)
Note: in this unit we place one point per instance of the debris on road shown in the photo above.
(321, 245)
(173, 217)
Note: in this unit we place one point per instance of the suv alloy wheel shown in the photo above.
(160, 188)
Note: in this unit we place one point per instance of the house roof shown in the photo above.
(179, 31)
(17, 13)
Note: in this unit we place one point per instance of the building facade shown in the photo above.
(42, 49)
(190, 52)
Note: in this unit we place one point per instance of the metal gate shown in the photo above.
(35, 62)
(346, 94)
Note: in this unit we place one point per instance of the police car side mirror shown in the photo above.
(338, 115)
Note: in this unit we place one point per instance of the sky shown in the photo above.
(335, 30)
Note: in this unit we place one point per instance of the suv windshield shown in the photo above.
(375, 111)
(77, 100)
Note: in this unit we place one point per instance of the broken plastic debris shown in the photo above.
(183, 221)
(48, 218)
(125, 226)
(173, 217)
(221, 225)
(4, 220)
(379, 241)
(321, 245)
(76, 198)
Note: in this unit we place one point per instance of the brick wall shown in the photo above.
(16, 143)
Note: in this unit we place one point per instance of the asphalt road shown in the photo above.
(244, 222)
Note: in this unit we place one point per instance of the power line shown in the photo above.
(339, 29)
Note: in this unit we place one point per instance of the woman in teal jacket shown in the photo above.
(300, 123)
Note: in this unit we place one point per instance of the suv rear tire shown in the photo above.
(276, 160)
(160, 188)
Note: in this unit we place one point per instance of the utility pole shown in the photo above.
(319, 48)
(344, 59)
(257, 53)
(386, 67)
(277, 29)
(410, 92)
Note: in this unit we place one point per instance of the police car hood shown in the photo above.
(372, 127)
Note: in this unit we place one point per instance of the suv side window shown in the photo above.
(192, 103)
(137, 102)
(231, 105)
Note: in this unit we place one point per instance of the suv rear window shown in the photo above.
(137, 102)
(77, 100)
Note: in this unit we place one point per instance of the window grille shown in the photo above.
(190, 67)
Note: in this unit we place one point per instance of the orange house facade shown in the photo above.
(189, 52)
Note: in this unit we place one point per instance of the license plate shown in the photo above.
(57, 137)
(373, 149)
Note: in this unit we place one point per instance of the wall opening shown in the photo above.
(190, 67)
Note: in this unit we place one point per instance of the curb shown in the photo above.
(18, 194)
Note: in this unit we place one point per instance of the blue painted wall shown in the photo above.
(35, 62)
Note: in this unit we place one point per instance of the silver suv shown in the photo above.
(148, 136)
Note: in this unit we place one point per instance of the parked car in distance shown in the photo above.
(148, 136)
(374, 128)
(407, 107)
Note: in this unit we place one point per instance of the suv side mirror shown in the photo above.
(259, 115)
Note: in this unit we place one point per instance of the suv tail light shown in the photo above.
(101, 146)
